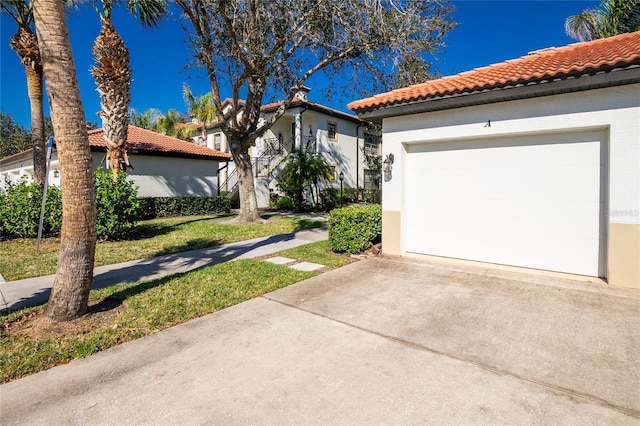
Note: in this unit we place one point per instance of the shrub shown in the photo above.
(20, 205)
(355, 228)
(373, 196)
(284, 203)
(183, 206)
(117, 205)
(330, 198)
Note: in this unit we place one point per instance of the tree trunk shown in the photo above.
(70, 292)
(25, 44)
(246, 187)
(34, 88)
(112, 74)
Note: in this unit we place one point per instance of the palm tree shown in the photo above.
(25, 44)
(612, 18)
(168, 124)
(304, 171)
(146, 120)
(201, 108)
(70, 292)
(112, 74)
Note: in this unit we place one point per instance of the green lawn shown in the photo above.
(152, 238)
(125, 312)
(148, 307)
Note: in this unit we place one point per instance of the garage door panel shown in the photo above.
(527, 202)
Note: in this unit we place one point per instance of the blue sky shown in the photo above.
(488, 32)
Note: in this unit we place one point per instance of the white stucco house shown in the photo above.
(339, 137)
(532, 163)
(162, 166)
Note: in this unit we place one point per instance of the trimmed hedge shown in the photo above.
(330, 197)
(355, 228)
(183, 206)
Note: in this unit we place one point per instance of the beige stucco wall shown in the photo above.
(391, 233)
(624, 255)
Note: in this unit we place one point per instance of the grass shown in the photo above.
(139, 309)
(126, 312)
(317, 252)
(152, 238)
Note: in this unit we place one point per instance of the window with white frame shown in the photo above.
(332, 131)
(372, 179)
(217, 141)
(371, 144)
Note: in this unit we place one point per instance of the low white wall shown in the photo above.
(170, 177)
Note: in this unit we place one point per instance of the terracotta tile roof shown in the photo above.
(146, 141)
(575, 59)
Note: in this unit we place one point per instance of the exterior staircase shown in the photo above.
(268, 165)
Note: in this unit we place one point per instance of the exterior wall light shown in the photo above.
(387, 163)
(387, 166)
(56, 173)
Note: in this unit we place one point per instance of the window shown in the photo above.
(334, 174)
(372, 179)
(332, 131)
(371, 144)
(217, 141)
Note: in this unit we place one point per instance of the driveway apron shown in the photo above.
(379, 341)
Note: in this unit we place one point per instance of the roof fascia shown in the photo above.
(577, 83)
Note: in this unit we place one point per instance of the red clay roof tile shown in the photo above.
(146, 140)
(574, 59)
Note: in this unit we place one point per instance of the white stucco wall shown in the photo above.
(154, 175)
(168, 177)
(614, 110)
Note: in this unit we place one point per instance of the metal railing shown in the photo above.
(274, 153)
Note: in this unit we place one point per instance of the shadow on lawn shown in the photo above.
(146, 230)
(116, 299)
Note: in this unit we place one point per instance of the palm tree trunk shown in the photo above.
(70, 292)
(34, 88)
(112, 74)
(25, 44)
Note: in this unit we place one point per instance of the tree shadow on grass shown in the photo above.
(146, 230)
(116, 299)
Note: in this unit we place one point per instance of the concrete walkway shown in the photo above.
(33, 291)
(379, 341)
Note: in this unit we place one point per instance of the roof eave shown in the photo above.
(609, 78)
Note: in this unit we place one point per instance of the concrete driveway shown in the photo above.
(381, 341)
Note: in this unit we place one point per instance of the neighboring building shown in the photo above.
(162, 166)
(339, 137)
(533, 162)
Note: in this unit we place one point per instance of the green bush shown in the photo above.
(330, 198)
(373, 196)
(183, 206)
(117, 205)
(355, 228)
(20, 205)
(284, 203)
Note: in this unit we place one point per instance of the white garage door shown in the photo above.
(531, 201)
